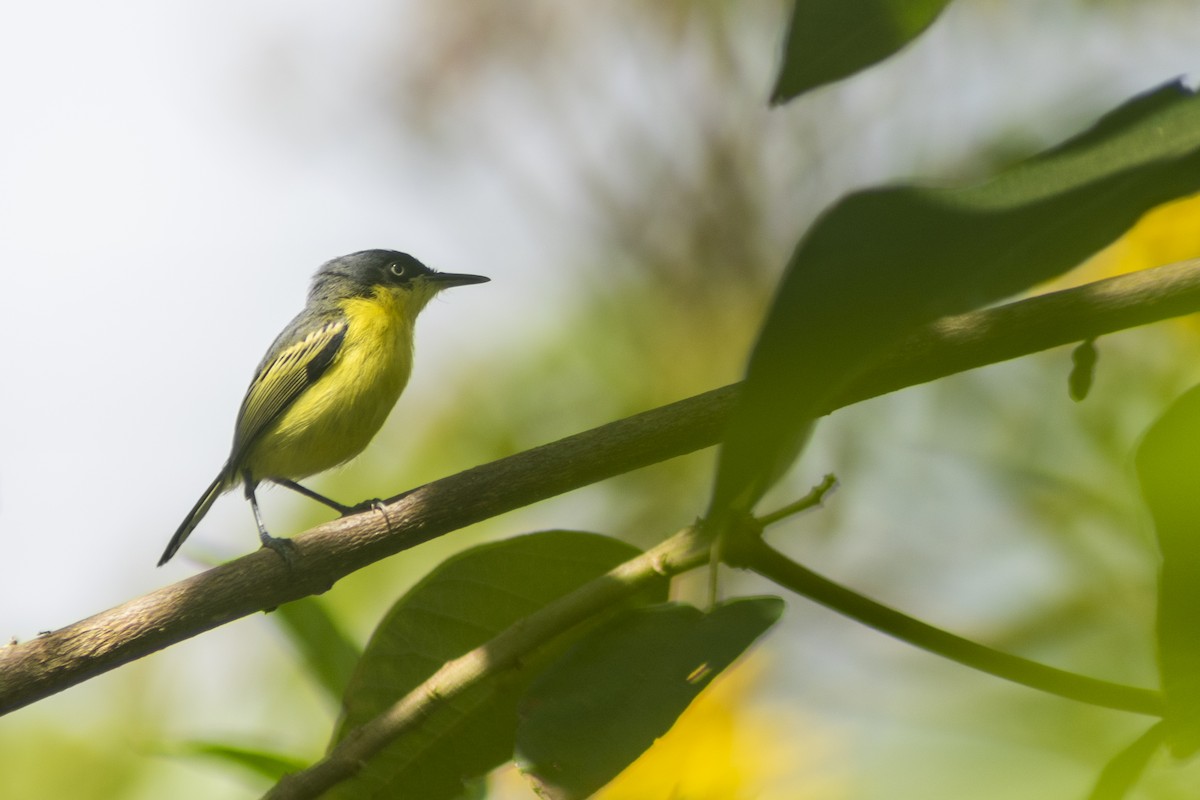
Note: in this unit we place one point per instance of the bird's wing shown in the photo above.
(286, 372)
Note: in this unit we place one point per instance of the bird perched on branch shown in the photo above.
(328, 382)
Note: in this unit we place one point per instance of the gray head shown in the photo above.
(387, 276)
(359, 274)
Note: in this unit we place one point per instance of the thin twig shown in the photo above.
(751, 552)
(813, 499)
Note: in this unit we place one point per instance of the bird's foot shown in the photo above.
(286, 548)
(374, 504)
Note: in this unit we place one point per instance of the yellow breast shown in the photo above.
(333, 420)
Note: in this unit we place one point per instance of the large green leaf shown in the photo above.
(326, 651)
(593, 712)
(830, 39)
(463, 603)
(1168, 467)
(884, 261)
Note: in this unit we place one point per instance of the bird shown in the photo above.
(327, 383)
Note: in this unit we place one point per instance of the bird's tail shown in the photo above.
(215, 489)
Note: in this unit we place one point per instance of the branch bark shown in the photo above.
(260, 581)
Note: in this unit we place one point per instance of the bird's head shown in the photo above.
(372, 273)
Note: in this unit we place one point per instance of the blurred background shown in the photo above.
(172, 174)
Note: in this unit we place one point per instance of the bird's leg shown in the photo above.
(286, 548)
(344, 510)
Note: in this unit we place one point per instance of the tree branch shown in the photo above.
(261, 581)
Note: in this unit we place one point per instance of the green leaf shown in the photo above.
(264, 763)
(830, 39)
(1168, 468)
(462, 604)
(1123, 772)
(327, 652)
(593, 712)
(884, 261)
(1083, 370)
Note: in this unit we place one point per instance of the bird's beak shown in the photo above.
(445, 280)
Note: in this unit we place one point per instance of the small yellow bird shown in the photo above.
(328, 381)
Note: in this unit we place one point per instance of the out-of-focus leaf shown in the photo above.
(590, 714)
(464, 602)
(1083, 370)
(1168, 468)
(327, 652)
(1122, 773)
(475, 789)
(830, 39)
(884, 261)
(264, 763)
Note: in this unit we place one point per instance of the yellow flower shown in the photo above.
(1166, 234)
(724, 748)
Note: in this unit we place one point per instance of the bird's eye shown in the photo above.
(399, 270)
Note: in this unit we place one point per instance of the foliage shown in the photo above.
(459, 606)
(872, 270)
(876, 266)
(642, 670)
(828, 40)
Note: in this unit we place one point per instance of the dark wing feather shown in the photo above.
(284, 374)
